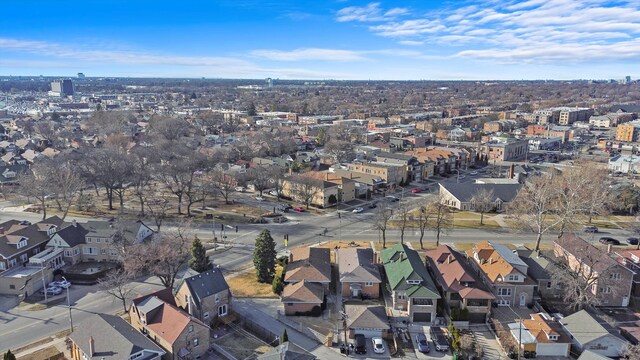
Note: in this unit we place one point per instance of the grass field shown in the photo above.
(245, 284)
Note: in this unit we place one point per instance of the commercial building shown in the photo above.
(628, 132)
(505, 149)
(62, 87)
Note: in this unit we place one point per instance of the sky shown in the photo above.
(323, 39)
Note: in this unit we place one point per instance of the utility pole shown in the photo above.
(69, 305)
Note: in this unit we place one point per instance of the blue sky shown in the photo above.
(330, 39)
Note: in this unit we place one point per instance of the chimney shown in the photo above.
(326, 176)
(490, 260)
(92, 346)
(74, 223)
(449, 259)
(609, 249)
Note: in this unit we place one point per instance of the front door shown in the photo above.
(625, 301)
(355, 293)
(523, 299)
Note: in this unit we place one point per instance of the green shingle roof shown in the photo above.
(401, 264)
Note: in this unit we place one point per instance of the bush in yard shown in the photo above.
(264, 257)
(9, 355)
(277, 285)
(285, 337)
(199, 260)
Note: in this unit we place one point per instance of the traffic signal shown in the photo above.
(221, 227)
(236, 228)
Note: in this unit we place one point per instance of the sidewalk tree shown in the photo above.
(482, 202)
(117, 283)
(441, 217)
(199, 260)
(403, 212)
(381, 220)
(264, 257)
(423, 223)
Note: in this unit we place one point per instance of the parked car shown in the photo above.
(392, 198)
(423, 344)
(357, 210)
(461, 177)
(415, 191)
(273, 193)
(51, 291)
(239, 189)
(298, 209)
(260, 198)
(438, 338)
(373, 205)
(632, 241)
(590, 229)
(61, 284)
(609, 241)
(284, 207)
(361, 344)
(473, 173)
(378, 345)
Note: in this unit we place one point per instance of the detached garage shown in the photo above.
(542, 335)
(370, 321)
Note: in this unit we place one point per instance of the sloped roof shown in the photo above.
(465, 191)
(576, 324)
(367, 317)
(491, 261)
(73, 234)
(356, 265)
(304, 292)
(401, 264)
(590, 255)
(454, 274)
(287, 351)
(16, 230)
(113, 338)
(309, 263)
(206, 284)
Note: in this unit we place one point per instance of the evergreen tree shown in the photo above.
(199, 260)
(264, 257)
(277, 285)
(9, 355)
(251, 109)
(285, 337)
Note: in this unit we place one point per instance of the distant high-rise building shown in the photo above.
(269, 82)
(80, 76)
(62, 87)
(627, 79)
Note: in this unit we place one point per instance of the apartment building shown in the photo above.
(391, 174)
(628, 132)
(570, 115)
(505, 149)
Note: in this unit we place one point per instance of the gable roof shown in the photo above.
(489, 258)
(287, 351)
(74, 234)
(14, 230)
(206, 284)
(589, 254)
(465, 191)
(367, 317)
(402, 264)
(113, 338)
(356, 265)
(303, 292)
(309, 263)
(577, 322)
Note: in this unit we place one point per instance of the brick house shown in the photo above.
(310, 264)
(460, 286)
(205, 296)
(611, 282)
(412, 289)
(182, 336)
(303, 297)
(359, 275)
(503, 272)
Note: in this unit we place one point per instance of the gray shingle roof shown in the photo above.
(113, 338)
(73, 235)
(206, 284)
(465, 191)
(356, 265)
(576, 324)
(367, 317)
(287, 351)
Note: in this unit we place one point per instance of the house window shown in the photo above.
(548, 284)
(615, 276)
(196, 342)
(90, 251)
(36, 250)
(605, 290)
(89, 240)
(12, 263)
(190, 328)
(98, 240)
(368, 283)
(206, 315)
(504, 291)
(2, 265)
(23, 258)
(222, 310)
(103, 251)
(512, 278)
(12, 287)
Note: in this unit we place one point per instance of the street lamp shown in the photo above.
(68, 304)
(458, 178)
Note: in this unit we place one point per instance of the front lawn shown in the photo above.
(245, 284)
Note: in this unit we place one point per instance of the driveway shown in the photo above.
(433, 354)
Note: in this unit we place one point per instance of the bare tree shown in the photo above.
(117, 283)
(277, 178)
(482, 202)
(339, 150)
(260, 178)
(305, 188)
(403, 212)
(107, 167)
(381, 220)
(535, 206)
(67, 184)
(441, 217)
(423, 222)
(158, 206)
(37, 185)
(632, 352)
(224, 182)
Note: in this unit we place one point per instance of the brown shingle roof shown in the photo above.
(491, 263)
(303, 292)
(309, 263)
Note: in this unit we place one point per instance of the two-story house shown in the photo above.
(610, 281)
(307, 280)
(205, 296)
(503, 272)
(181, 335)
(359, 274)
(631, 260)
(412, 289)
(460, 286)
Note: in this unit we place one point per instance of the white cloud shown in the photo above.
(369, 13)
(535, 30)
(309, 54)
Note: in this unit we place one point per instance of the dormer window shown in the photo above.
(51, 230)
(553, 337)
(635, 258)
(512, 278)
(414, 282)
(22, 243)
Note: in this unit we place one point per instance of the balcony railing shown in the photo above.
(422, 302)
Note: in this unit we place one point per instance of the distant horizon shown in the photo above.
(410, 40)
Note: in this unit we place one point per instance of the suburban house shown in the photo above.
(317, 192)
(460, 195)
(110, 337)
(303, 298)
(179, 334)
(631, 260)
(460, 286)
(601, 339)
(540, 269)
(307, 280)
(359, 275)
(370, 321)
(412, 289)
(504, 272)
(611, 282)
(205, 296)
(542, 335)
(25, 261)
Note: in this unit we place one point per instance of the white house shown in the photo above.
(590, 333)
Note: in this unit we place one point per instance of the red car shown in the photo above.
(298, 209)
(415, 191)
